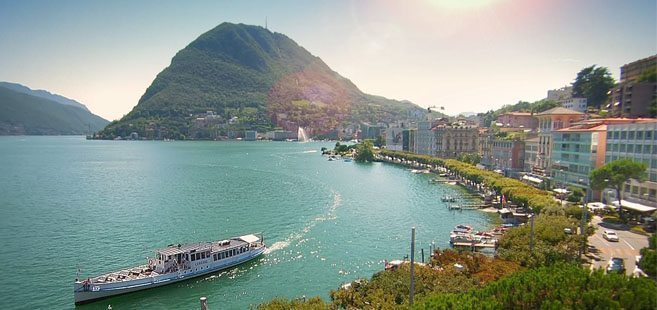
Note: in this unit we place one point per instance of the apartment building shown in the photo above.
(637, 141)
(549, 122)
(633, 96)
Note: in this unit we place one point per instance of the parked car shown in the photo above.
(610, 235)
(616, 264)
(568, 231)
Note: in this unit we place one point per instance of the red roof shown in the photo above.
(602, 127)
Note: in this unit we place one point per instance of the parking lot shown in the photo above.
(627, 247)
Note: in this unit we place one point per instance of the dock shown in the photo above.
(473, 244)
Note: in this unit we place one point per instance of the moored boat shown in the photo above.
(448, 198)
(170, 265)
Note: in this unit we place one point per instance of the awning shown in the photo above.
(250, 238)
(532, 179)
(593, 206)
(634, 206)
(561, 191)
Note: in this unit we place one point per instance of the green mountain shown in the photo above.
(25, 114)
(250, 78)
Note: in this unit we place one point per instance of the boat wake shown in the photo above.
(299, 236)
(278, 245)
(311, 151)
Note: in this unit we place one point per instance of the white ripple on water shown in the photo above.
(298, 236)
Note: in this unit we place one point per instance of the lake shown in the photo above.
(69, 203)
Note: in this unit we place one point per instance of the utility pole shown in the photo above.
(531, 235)
(412, 291)
(583, 232)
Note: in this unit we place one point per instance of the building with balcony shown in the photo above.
(634, 94)
(632, 71)
(576, 151)
(549, 122)
(453, 140)
(637, 141)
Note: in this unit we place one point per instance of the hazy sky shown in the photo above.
(465, 55)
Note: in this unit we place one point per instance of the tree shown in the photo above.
(593, 83)
(551, 244)
(648, 261)
(380, 141)
(470, 158)
(615, 174)
(364, 152)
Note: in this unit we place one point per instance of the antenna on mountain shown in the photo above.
(265, 22)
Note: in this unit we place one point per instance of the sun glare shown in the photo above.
(461, 4)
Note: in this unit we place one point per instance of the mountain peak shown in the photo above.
(261, 78)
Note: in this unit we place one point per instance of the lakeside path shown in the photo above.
(627, 247)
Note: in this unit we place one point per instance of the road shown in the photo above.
(627, 247)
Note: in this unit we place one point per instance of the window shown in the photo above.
(630, 135)
(639, 135)
(648, 134)
(646, 149)
(623, 135)
(622, 147)
(616, 135)
(630, 148)
(193, 257)
(638, 149)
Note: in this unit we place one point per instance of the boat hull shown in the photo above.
(95, 292)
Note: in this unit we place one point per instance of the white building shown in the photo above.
(575, 104)
(637, 141)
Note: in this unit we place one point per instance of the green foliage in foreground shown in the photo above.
(551, 243)
(390, 289)
(648, 261)
(561, 286)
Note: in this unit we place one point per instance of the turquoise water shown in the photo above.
(66, 202)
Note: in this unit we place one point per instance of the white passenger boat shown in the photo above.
(170, 265)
